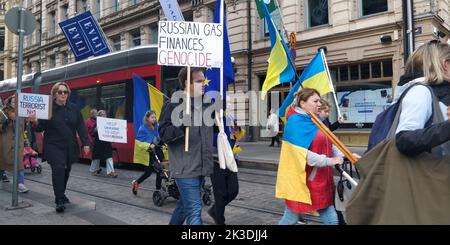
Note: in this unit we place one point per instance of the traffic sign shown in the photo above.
(12, 20)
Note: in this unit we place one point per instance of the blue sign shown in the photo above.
(84, 36)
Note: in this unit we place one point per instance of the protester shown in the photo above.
(318, 189)
(273, 126)
(324, 113)
(148, 133)
(101, 150)
(90, 122)
(225, 182)
(61, 148)
(7, 126)
(188, 168)
(430, 65)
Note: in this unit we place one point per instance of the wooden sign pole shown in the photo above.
(188, 108)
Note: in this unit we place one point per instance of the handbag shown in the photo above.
(398, 189)
(344, 189)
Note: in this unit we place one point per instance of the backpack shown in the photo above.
(384, 120)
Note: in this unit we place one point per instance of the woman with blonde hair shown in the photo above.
(61, 147)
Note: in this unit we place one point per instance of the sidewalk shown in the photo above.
(37, 208)
(260, 155)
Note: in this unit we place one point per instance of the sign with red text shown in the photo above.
(184, 43)
(38, 104)
(112, 130)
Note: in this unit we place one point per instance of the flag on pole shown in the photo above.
(314, 76)
(280, 69)
(146, 97)
(270, 7)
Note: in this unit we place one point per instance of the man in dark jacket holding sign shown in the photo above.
(188, 168)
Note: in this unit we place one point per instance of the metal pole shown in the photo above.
(410, 10)
(249, 63)
(17, 134)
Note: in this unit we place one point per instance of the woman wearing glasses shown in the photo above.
(148, 132)
(61, 148)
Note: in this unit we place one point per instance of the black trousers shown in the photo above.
(226, 188)
(60, 177)
(275, 138)
(150, 168)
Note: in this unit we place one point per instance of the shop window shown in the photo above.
(387, 68)
(317, 12)
(365, 71)
(85, 99)
(376, 69)
(354, 72)
(373, 6)
(343, 73)
(113, 100)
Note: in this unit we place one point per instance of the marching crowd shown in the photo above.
(419, 132)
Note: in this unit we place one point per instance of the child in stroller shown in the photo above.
(169, 187)
(30, 158)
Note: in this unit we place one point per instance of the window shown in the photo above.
(64, 12)
(113, 100)
(64, 58)
(373, 6)
(51, 23)
(85, 99)
(38, 32)
(98, 9)
(275, 15)
(317, 12)
(81, 6)
(135, 38)
(2, 38)
(27, 41)
(153, 34)
(363, 91)
(116, 5)
(51, 61)
(116, 42)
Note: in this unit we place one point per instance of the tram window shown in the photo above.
(113, 100)
(85, 99)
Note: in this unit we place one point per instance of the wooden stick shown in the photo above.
(333, 138)
(188, 108)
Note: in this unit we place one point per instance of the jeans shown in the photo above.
(189, 205)
(328, 216)
(95, 165)
(21, 177)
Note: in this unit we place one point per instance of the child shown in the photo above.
(29, 156)
(324, 112)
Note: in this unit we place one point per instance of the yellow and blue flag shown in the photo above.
(291, 176)
(280, 68)
(314, 76)
(146, 97)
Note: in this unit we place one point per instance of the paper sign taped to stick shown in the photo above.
(39, 104)
(195, 44)
(112, 130)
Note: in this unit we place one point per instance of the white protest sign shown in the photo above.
(192, 44)
(112, 130)
(171, 10)
(38, 104)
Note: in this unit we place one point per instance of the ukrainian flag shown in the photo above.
(314, 76)
(291, 176)
(280, 68)
(146, 97)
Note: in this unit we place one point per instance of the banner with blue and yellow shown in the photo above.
(292, 165)
(146, 97)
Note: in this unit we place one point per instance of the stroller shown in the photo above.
(169, 187)
(30, 159)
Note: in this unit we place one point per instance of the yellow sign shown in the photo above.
(292, 40)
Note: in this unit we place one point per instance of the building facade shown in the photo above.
(363, 40)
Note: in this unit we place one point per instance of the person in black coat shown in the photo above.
(102, 150)
(61, 148)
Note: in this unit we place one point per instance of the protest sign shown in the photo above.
(38, 104)
(192, 44)
(112, 130)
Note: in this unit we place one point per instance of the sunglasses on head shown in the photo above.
(61, 92)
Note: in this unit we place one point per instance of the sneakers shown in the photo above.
(113, 175)
(22, 188)
(135, 187)
(66, 200)
(97, 172)
(60, 207)
(5, 179)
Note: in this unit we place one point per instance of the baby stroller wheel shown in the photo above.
(206, 199)
(158, 199)
(33, 169)
(39, 169)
